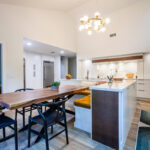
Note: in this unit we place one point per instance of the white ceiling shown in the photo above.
(41, 48)
(69, 5)
(62, 5)
(103, 6)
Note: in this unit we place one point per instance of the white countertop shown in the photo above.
(116, 86)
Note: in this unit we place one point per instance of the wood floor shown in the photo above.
(142, 104)
(78, 140)
(133, 132)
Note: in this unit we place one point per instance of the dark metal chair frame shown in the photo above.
(57, 106)
(24, 109)
(8, 122)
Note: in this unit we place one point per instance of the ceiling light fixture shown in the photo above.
(93, 24)
(62, 52)
(29, 44)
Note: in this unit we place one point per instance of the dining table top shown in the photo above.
(17, 100)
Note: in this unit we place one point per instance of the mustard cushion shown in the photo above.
(85, 92)
(84, 102)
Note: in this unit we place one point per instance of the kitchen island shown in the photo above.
(113, 108)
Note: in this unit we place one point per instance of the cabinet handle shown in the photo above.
(141, 83)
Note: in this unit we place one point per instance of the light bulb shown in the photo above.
(96, 27)
(81, 19)
(86, 26)
(81, 27)
(89, 32)
(97, 14)
(97, 23)
(103, 29)
(85, 18)
(107, 20)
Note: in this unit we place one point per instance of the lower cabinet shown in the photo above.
(143, 88)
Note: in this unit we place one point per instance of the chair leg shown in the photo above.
(16, 115)
(23, 114)
(51, 129)
(4, 135)
(16, 136)
(46, 137)
(41, 110)
(66, 129)
(29, 133)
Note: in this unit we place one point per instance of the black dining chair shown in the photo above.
(8, 122)
(55, 114)
(23, 110)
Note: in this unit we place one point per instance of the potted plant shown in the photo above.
(55, 85)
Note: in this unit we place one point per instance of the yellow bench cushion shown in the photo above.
(85, 92)
(84, 102)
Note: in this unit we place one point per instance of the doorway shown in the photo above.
(48, 73)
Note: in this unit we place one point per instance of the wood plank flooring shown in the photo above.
(78, 140)
(142, 104)
(133, 132)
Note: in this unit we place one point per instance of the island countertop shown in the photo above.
(116, 86)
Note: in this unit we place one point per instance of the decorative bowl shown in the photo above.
(68, 76)
(129, 75)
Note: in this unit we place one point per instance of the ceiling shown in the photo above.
(69, 5)
(62, 5)
(41, 48)
(103, 6)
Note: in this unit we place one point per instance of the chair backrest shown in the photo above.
(57, 106)
(24, 89)
(1, 110)
(145, 117)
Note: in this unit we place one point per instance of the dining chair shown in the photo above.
(6, 121)
(26, 108)
(55, 114)
(23, 110)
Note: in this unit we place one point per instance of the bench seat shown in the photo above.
(85, 92)
(84, 102)
(83, 114)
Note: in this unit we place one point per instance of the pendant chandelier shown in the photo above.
(95, 23)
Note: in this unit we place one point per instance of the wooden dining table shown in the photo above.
(17, 100)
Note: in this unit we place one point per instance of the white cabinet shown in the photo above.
(143, 88)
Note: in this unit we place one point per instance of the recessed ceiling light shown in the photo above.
(29, 44)
(62, 52)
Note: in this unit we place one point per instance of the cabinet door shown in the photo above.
(143, 88)
(105, 118)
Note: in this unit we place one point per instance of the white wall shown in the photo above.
(64, 67)
(37, 60)
(131, 24)
(147, 66)
(72, 67)
(50, 27)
